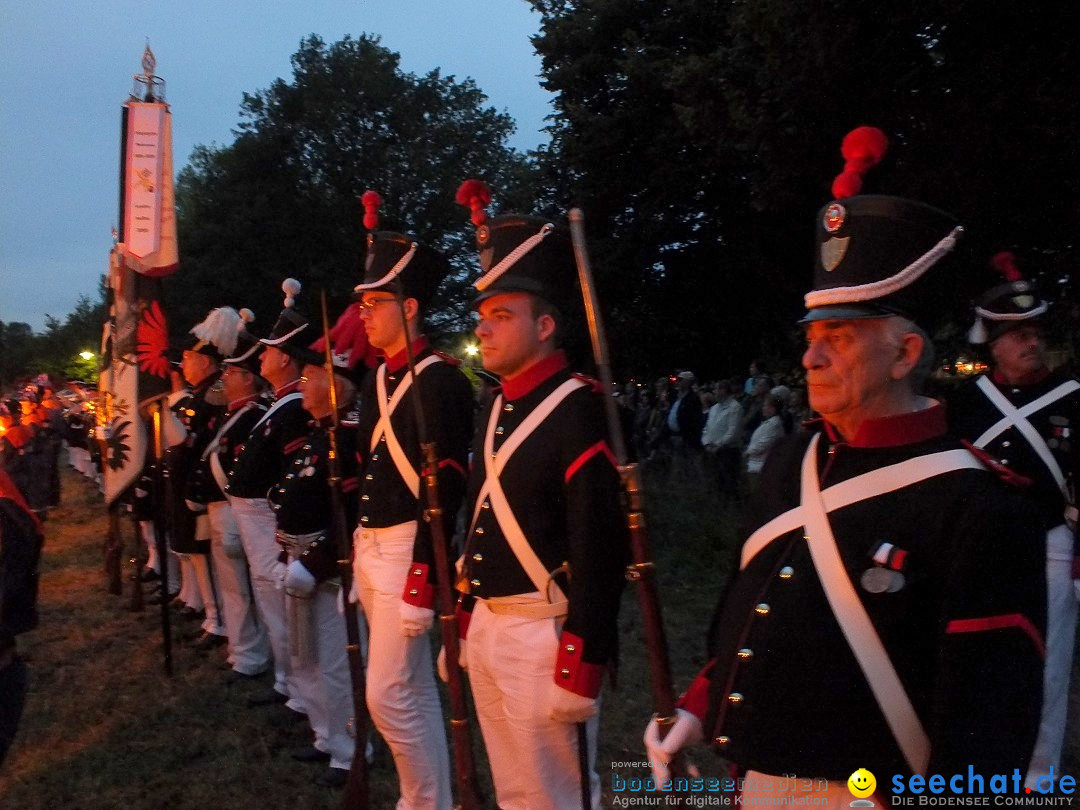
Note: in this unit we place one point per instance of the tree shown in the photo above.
(702, 136)
(282, 199)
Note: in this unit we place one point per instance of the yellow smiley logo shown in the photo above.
(861, 783)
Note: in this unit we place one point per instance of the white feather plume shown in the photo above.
(219, 328)
(246, 317)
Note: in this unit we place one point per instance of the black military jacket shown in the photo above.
(971, 413)
(302, 500)
(260, 463)
(200, 419)
(385, 499)
(563, 488)
(964, 629)
(204, 487)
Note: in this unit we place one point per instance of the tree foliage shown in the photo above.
(282, 200)
(56, 350)
(702, 136)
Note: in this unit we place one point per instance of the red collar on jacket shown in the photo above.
(287, 389)
(898, 430)
(401, 359)
(236, 404)
(528, 380)
(1031, 379)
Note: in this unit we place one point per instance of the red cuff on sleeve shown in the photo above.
(572, 673)
(696, 698)
(418, 591)
(295, 445)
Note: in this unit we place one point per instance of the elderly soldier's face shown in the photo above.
(237, 381)
(512, 336)
(315, 387)
(196, 366)
(854, 369)
(1019, 353)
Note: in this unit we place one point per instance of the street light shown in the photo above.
(472, 349)
(86, 355)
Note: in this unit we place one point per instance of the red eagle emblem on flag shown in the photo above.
(152, 339)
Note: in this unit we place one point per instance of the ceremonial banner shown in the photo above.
(149, 220)
(134, 366)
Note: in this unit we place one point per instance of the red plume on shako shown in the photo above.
(371, 200)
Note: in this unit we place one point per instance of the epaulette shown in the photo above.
(448, 358)
(596, 386)
(1010, 477)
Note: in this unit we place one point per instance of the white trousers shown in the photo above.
(401, 694)
(209, 593)
(1060, 638)
(324, 681)
(152, 561)
(189, 585)
(249, 646)
(257, 526)
(534, 760)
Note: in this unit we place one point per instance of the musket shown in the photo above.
(642, 570)
(460, 731)
(161, 494)
(356, 794)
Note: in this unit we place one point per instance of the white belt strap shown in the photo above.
(276, 405)
(494, 463)
(856, 625)
(211, 450)
(385, 428)
(1017, 417)
(860, 488)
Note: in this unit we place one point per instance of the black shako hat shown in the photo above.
(397, 263)
(875, 253)
(520, 253)
(248, 347)
(1006, 306)
(292, 330)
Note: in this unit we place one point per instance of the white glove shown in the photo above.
(440, 662)
(298, 580)
(415, 621)
(565, 706)
(686, 731)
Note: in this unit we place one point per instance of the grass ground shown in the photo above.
(103, 728)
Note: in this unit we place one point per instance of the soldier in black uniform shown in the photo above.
(889, 610)
(259, 465)
(546, 548)
(191, 421)
(20, 552)
(393, 557)
(249, 645)
(303, 507)
(1024, 416)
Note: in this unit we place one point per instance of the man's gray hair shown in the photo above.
(896, 327)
